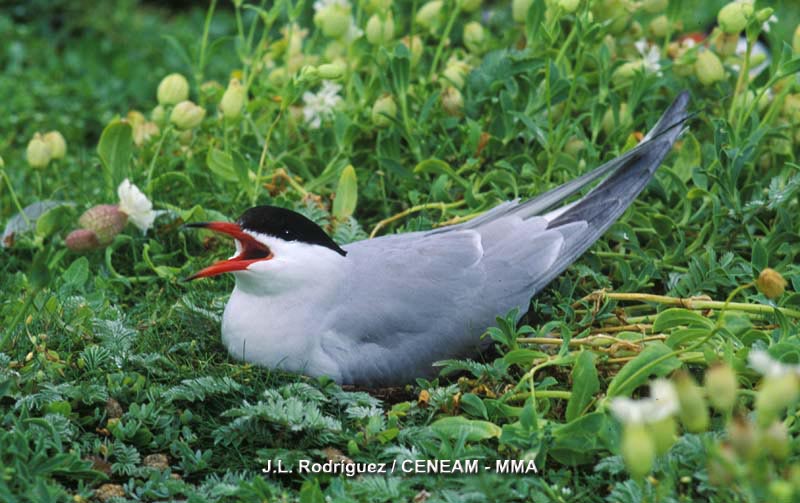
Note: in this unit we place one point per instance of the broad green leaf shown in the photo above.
(53, 220)
(759, 256)
(346, 194)
(115, 149)
(77, 273)
(688, 157)
(221, 164)
(310, 491)
(684, 336)
(678, 317)
(578, 441)
(474, 430)
(473, 405)
(584, 385)
(631, 375)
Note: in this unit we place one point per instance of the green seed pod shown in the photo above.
(626, 72)
(708, 68)
(452, 101)
(105, 220)
(187, 115)
(173, 89)
(744, 438)
(776, 393)
(659, 26)
(733, 17)
(655, 6)
(638, 450)
(332, 71)
(333, 20)
(38, 152)
(474, 37)
(383, 107)
(57, 144)
(721, 387)
(470, 5)
(776, 440)
(664, 434)
(380, 29)
(429, 15)
(233, 100)
(611, 122)
(519, 10)
(694, 412)
(771, 283)
(569, 6)
(415, 48)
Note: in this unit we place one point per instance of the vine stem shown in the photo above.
(414, 209)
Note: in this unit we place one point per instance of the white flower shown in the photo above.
(651, 56)
(135, 204)
(764, 364)
(320, 105)
(772, 20)
(662, 403)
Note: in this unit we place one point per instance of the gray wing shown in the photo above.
(412, 299)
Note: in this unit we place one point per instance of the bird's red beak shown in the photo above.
(252, 250)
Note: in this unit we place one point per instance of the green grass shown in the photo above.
(107, 357)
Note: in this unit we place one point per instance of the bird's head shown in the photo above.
(273, 244)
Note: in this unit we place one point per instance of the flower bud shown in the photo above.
(610, 121)
(211, 91)
(659, 26)
(638, 450)
(414, 46)
(733, 17)
(574, 147)
(383, 106)
(569, 6)
(781, 491)
(173, 89)
(429, 15)
(664, 433)
(771, 283)
(159, 115)
(57, 144)
(309, 74)
(332, 71)
(452, 101)
(721, 386)
(763, 15)
(744, 439)
(278, 77)
(38, 152)
(655, 6)
(334, 20)
(519, 9)
(776, 440)
(470, 5)
(776, 393)
(474, 38)
(708, 68)
(618, 12)
(82, 240)
(725, 44)
(187, 115)
(796, 40)
(380, 29)
(105, 220)
(455, 72)
(693, 413)
(377, 6)
(143, 132)
(233, 100)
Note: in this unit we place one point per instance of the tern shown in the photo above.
(382, 311)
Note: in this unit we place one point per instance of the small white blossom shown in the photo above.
(661, 404)
(320, 106)
(135, 204)
(767, 24)
(764, 364)
(651, 56)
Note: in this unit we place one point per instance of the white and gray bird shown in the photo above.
(382, 311)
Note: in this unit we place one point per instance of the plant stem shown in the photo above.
(414, 209)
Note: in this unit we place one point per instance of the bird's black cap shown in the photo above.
(287, 225)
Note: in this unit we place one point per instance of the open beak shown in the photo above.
(251, 250)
